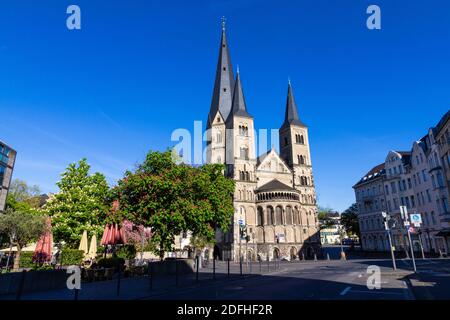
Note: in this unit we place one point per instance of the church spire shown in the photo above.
(224, 83)
(238, 107)
(291, 116)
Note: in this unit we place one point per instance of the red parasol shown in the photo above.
(43, 251)
(113, 235)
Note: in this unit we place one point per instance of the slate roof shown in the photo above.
(238, 107)
(291, 115)
(223, 85)
(275, 185)
(374, 173)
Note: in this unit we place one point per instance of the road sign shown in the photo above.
(416, 219)
(404, 213)
(411, 230)
(241, 222)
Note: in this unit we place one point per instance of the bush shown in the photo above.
(71, 257)
(127, 252)
(26, 259)
(111, 263)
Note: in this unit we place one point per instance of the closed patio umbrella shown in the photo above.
(43, 251)
(93, 247)
(84, 243)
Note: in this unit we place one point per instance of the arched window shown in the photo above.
(219, 137)
(288, 215)
(260, 217)
(302, 139)
(270, 217)
(296, 216)
(279, 215)
(244, 153)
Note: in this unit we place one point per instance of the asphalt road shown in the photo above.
(321, 280)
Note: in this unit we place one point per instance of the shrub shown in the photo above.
(26, 259)
(71, 257)
(127, 252)
(111, 263)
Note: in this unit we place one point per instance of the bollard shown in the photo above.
(214, 269)
(176, 272)
(118, 280)
(196, 265)
(22, 282)
(150, 270)
(303, 256)
(328, 256)
(315, 257)
(240, 265)
(228, 268)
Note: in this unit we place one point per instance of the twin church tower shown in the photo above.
(275, 198)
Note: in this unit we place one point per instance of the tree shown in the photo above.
(81, 204)
(198, 243)
(22, 228)
(21, 191)
(325, 221)
(349, 219)
(173, 198)
(21, 196)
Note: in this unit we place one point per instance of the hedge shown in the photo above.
(71, 257)
(127, 252)
(26, 259)
(111, 263)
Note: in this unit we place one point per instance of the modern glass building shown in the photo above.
(7, 159)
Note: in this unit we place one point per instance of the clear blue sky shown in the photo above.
(140, 69)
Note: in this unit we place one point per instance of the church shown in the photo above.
(275, 200)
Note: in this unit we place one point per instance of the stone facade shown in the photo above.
(415, 179)
(275, 195)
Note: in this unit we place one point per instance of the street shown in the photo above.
(334, 279)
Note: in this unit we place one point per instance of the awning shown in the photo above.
(443, 233)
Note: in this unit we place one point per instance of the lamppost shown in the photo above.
(341, 234)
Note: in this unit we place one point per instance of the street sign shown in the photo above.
(416, 219)
(404, 213)
(411, 230)
(241, 222)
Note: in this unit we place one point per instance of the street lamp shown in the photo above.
(341, 234)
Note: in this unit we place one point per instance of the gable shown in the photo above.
(273, 163)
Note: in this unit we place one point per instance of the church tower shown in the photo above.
(241, 163)
(220, 104)
(294, 149)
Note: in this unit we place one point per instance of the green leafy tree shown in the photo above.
(349, 219)
(172, 198)
(21, 191)
(21, 196)
(22, 228)
(198, 243)
(325, 221)
(81, 204)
